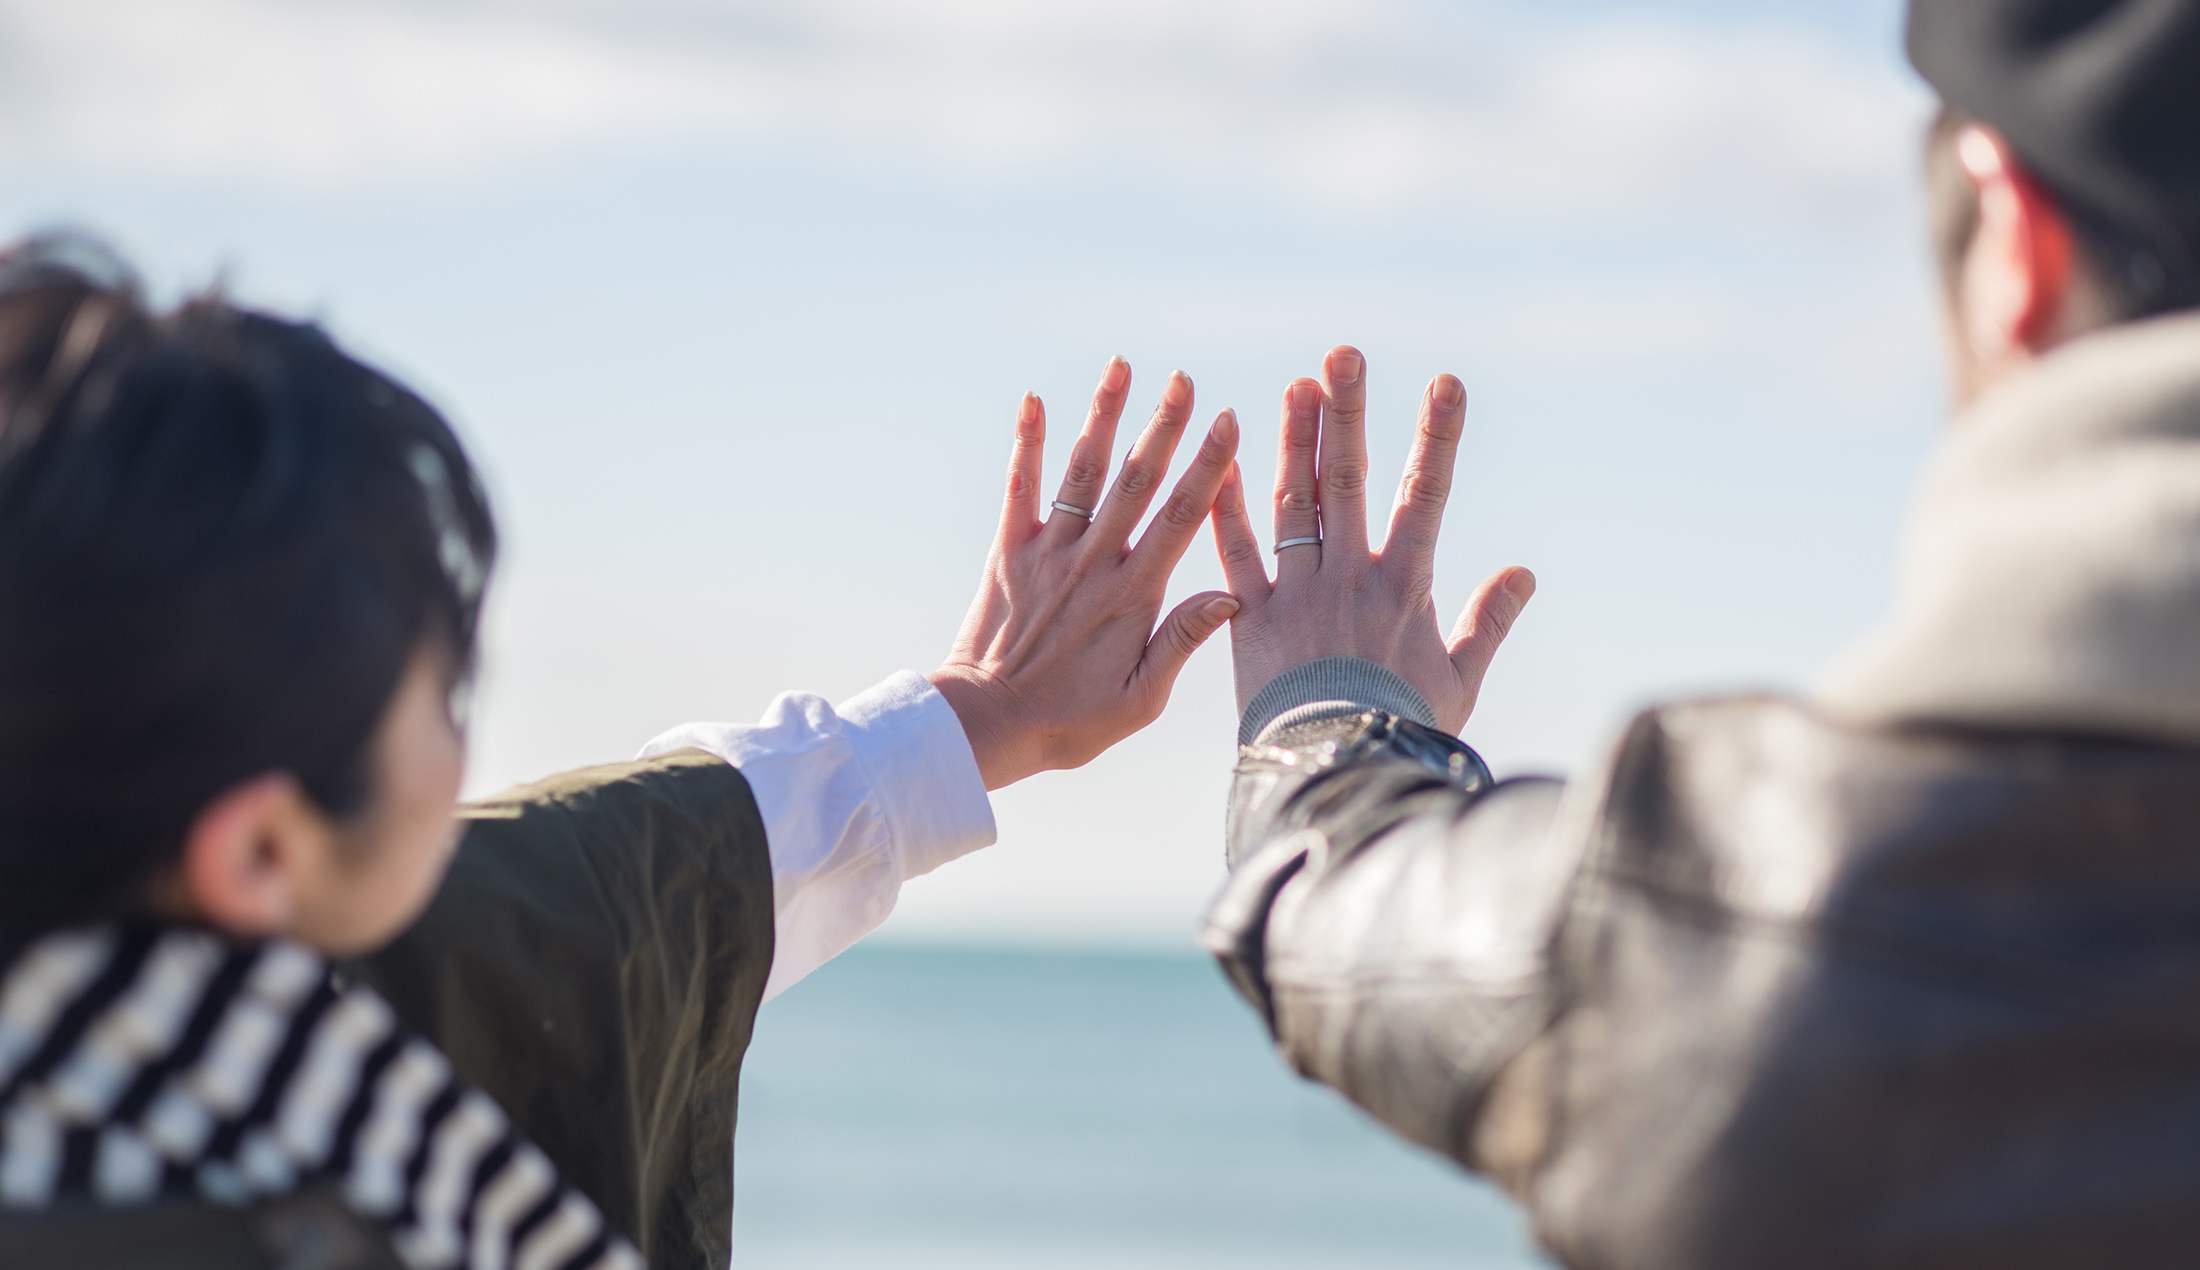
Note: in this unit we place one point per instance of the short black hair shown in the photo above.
(2136, 277)
(222, 541)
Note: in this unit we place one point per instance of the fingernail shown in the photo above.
(1304, 397)
(1116, 375)
(1222, 610)
(1345, 366)
(1449, 391)
(1521, 586)
(1179, 382)
(1225, 430)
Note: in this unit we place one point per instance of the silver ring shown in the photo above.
(1296, 542)
(1061, 506)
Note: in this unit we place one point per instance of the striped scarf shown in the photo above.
(143, 1063)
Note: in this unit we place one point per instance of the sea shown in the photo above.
(911, 1107)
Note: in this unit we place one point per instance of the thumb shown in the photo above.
(1182, 632)
(1487, 619)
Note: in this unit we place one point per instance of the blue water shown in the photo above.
(919, 1108)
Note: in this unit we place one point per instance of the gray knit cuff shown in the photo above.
(1340, 685)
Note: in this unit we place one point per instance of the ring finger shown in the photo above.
(1298, 508)
(1088, 460)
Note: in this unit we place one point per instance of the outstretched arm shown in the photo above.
(1389, 901)
(597, 954)
(1060, 657)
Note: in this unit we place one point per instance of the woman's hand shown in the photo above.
(1332, 597)
(1059, 658)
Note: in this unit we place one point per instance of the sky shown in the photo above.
(734, 302)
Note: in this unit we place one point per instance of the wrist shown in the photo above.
(992, 721)
(1358, 681)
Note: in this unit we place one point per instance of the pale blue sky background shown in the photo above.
(734, 303)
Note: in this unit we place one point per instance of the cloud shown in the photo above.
(1347, 103)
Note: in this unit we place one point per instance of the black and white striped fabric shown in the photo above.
(142, 1063)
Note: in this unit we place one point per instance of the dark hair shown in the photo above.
(2137, 275)
(221, 543)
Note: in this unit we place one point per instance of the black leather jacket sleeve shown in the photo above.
(1388, 912)
(1765, 988)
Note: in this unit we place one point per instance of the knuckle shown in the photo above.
(1181, 513)
(1082, 471)
(1296, 500)
(1346, 477)
(1135, 480)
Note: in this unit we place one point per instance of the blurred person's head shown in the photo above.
(240, 578)
(2063, 169)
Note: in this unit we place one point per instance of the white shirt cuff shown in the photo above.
(913, 748)
(855, 801)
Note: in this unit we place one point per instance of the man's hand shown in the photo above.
(1335, 598)
(1059, 658)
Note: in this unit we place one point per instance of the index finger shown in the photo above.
(1342, 477)
(1194, 497)
(1411, 543)
(1135, 482)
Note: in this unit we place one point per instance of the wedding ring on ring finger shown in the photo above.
(1061, 506)
(1292, 542)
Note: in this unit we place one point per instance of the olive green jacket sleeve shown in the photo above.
(594, 961)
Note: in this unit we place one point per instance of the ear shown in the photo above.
(2017, 277)
(244, 852)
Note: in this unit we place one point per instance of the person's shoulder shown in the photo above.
(1903, 947)
(681, 776)
(1775, 806)
(1717, 744)
(622, 838)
